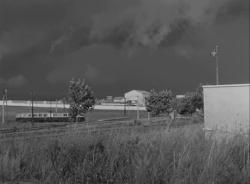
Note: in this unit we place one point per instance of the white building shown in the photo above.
(119, 100)
(136, 97)
(226, 108)
(180, 96)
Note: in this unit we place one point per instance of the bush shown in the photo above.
(80, 97)
(190, 103)
(160, 102)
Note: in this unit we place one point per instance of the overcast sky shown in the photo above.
(119, 45)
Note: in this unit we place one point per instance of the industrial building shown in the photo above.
(136, 97)
(226, 108)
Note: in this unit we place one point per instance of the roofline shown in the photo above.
(226, 85)
(138, 91)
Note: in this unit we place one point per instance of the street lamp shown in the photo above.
(214, 53)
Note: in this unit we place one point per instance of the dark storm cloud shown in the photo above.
(70, 25)
(147, 23)
(52, 38)
(14, 82)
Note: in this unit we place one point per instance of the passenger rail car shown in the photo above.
(46, 117)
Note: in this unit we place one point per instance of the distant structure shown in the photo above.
(120, 100)
(226, 108)
(109, 99)
(136, 97)
(180, 96)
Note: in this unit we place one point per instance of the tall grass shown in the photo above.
(176, 156)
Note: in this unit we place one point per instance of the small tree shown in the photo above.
(80, 97)
(185, 105)
(191, 102)
(198, 98)
(160, 102)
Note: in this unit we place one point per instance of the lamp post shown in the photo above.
(214, 53)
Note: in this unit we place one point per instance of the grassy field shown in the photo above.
(178, 156)
(135, 155)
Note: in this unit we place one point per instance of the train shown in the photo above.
(47, 117)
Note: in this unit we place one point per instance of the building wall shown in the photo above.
(226, 108)
(135, 96)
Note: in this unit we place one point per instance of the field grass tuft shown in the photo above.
(177, 156)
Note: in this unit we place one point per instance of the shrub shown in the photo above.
(190, 103)
(160, 102)
(80, 97)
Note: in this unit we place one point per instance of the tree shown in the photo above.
(191, 102)
(160, 102)
(185, 105)
(80, 97)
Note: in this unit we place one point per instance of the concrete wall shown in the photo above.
(226, 108)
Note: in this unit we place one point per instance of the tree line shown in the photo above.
(164, 101)
(81, 99)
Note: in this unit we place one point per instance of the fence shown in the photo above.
(59, 104)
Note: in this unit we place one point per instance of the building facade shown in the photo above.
(226, 108)
(136, 97)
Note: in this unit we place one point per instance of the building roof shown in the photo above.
(225, 85)
(139, 91)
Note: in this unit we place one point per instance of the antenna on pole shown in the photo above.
(214, 53)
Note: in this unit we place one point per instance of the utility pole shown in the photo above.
(125, 103)
(4, 103)
(217, 66)
(56, 105)
(50, 109)
(3, 113)
(64, 104)
(32, 106)
(215, 54)
(138, 113)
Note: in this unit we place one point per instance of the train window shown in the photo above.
(40, 115)
(29, 115)
(44, 115)
(54, 115)
(65, 115)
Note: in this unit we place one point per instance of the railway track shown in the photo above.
(88, 127)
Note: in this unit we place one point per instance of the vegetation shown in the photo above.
(176, 157)
(191, 102)
(160, 102)
(80, 97)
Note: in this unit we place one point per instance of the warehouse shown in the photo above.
(226, 108)
(136, 97)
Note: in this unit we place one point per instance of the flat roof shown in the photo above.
(225, 85)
